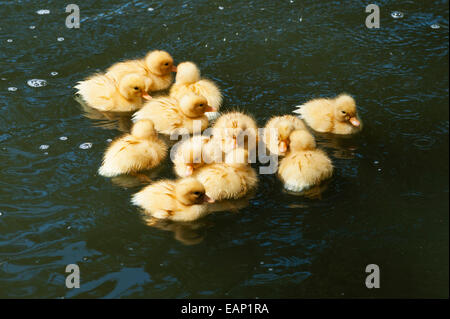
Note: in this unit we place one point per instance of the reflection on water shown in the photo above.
(193, 233)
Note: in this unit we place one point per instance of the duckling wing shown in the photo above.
(98, 91)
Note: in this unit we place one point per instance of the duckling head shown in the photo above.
(301, 140)
(160, 62)
(346, 110)
(234, 128)
(144, 129)
(134, 86)
(190, 191)
(285, 128)
(237, 156)
(187, 72)
(191, 156)
(193, 105)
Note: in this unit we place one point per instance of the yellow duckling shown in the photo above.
(156, 66)
(338, 115)
(232, 179)
(182, 200)
(236, 129)
(137, 151)
(188, 79)
(277, 131)
(305, 165)
(171, 115)
(194, 153)
(105, 94)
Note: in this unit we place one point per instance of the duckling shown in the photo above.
(171, 115)
(277, 141)
(182, 200)
(105, 94)
(130, 153)
(157, 66)
(233, 179)
(236, 129)
(188, 79)
(194, 153)
(338, 115)
(305, 165)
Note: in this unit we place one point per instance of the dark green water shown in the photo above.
(386, 204)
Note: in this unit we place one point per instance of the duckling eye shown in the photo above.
(197, 193)
(167, 63)
(201, 104)
(136, 88)
(343, 112)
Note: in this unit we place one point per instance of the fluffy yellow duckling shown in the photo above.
(277, 131)
(232, 179)
(171, 115)
(305, 165)
(156, 66)
(236, 129)
(194, 153)
(188, 79)
(182, 200)
(337, 115)
(105, 94)
(130, 153)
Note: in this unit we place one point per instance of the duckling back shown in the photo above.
(167, 116)
(303, 169)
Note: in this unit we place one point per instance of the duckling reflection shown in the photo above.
(314, 193)
(194, 232)
(104, 119)
(342, 146)
(137, 179)
(187, 233)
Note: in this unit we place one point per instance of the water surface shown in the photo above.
(386, 204)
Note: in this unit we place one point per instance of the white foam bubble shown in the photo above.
(60, 39)
(435, 26)
(109, 140)
(32, 27)
(12, 89)
(63, 138)
(221, 8)
(43, 11)
(9, 40)
(44, 147)
(53, 73)
(86, 146)
(36, 83)
(397, 14)
(150, 9)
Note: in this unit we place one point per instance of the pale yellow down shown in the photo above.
(195, 152)
(171, 115)
(137, 151)
(236, 129)
(277, 131)
(331, 115)
(157, 66)
(230, 177)
(229, 180)
(188, 79)
(182, 200)
(305, 165)
(105, 94)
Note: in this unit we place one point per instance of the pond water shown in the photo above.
(387, 203)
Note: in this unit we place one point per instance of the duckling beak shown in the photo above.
(208, 199)
(174, 68)
(282, 148)
(210, 109)
(146, 96)
(189, 170)
(354, 121)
